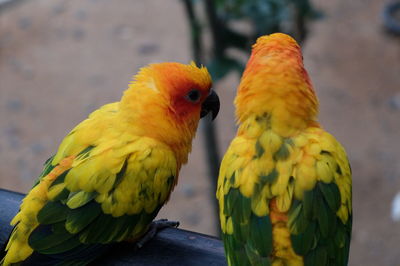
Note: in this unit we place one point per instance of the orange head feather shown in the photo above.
(276, 84)
(165, 100)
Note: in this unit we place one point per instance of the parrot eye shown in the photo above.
(193, 96)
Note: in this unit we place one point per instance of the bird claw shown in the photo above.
(155, 226)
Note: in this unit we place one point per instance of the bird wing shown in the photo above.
(104, 191)
(285, 199)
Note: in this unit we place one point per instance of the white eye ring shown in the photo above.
(193, 96)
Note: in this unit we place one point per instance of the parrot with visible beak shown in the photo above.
(114, 171)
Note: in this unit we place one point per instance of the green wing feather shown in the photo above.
(251, 242)
(315, 217)
(72, 221)
(112, 186)
(314, 222)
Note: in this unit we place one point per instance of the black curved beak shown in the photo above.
(211, 104)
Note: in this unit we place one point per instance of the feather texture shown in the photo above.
(112, 173)
(284, 188)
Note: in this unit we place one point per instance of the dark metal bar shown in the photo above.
(9, 205)
(171, 246)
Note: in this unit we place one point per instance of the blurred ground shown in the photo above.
(60, 60)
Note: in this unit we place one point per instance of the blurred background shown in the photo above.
(60, 60)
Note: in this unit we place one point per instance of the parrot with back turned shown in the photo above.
(284, 187)
(113, 172)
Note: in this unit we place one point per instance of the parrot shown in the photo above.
(284, 186)
(114, 171)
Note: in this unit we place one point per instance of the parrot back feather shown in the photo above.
(284, 187)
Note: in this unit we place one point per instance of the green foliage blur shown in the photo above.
(259, 17)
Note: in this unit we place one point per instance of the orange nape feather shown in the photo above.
(275, 73)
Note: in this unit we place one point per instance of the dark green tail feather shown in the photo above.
(78, 219)
(52, 212)
(316, 231)
(251, 242)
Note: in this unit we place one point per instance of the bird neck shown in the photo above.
(278, 91)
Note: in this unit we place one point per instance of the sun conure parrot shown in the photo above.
(114, 171)
(284, 187)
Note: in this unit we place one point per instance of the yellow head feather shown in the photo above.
(156, 101)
